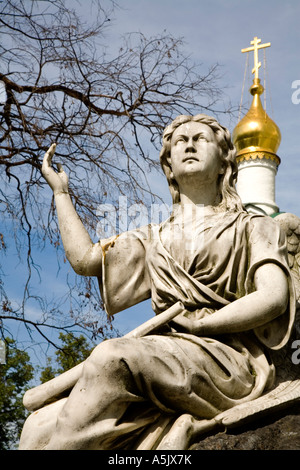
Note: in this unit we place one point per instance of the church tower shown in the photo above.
(257, 138)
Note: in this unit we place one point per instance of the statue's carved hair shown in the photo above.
(229, 199)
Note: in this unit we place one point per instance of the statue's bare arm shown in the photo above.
(84, 255)
(267, 302)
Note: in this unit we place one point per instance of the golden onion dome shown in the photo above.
(256, 132)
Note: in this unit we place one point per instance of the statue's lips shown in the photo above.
(190, 157)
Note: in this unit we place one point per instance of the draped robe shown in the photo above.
(136, 381)
(215, 266)
(212, 268)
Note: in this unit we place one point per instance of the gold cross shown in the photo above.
(255, 48)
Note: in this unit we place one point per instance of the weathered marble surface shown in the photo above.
(208, 366)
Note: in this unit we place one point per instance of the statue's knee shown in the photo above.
(110, 355)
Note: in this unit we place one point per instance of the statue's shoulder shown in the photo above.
(140, 235)
(259, 222)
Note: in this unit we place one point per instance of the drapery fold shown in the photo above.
(227, 249)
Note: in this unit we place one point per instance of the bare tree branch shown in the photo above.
(60, 84)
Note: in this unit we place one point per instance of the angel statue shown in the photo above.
(224, 300)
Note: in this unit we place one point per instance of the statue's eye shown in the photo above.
(201, 137)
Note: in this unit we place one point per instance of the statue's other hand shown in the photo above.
(58, 181)
(186, 325)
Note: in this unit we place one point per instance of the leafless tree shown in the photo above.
(60, 82)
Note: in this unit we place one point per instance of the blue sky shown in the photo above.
(216, 31)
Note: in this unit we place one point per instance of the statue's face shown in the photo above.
(195, 152)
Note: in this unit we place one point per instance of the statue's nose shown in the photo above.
(190, 146)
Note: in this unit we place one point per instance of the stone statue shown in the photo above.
(224, 298)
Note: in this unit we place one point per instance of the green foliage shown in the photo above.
(48, 372)
(73, 351)
(14, 381)
(15, 377)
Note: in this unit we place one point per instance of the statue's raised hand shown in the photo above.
(58, 181)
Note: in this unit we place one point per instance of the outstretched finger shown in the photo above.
(49, 155)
